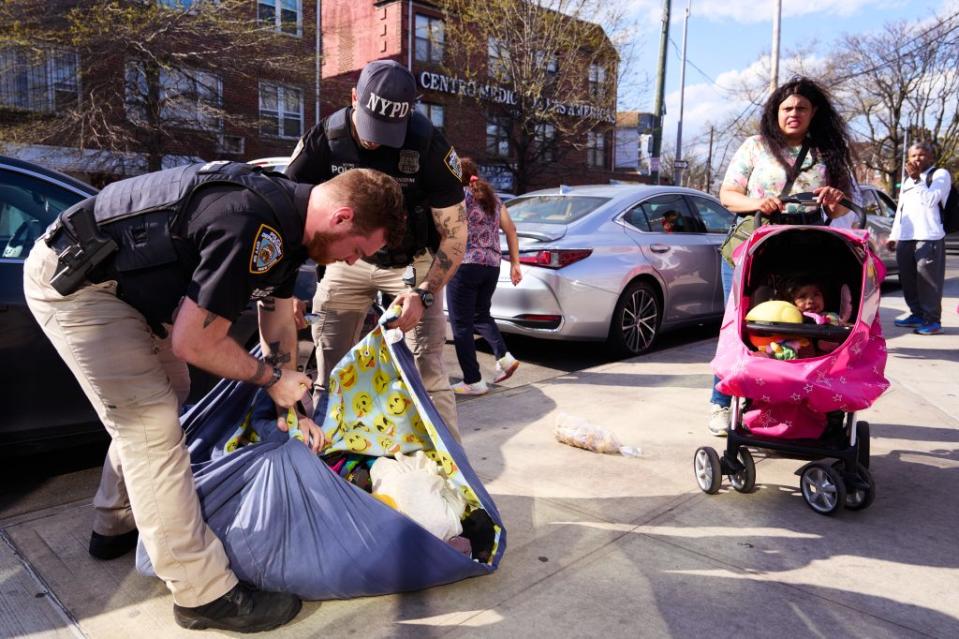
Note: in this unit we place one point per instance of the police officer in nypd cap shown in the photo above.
(382, 130)
(135, 283)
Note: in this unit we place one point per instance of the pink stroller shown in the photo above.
(802, 408)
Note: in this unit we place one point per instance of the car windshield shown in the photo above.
(553, 209)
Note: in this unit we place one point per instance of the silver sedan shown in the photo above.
(614, 263)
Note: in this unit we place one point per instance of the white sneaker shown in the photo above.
(477, 388)
(718, 420)
(505, 367)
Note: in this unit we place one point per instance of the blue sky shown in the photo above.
(727, 38)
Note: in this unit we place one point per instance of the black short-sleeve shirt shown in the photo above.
(438, 177)
(244, 250)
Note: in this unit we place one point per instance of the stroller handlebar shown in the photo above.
(806, 210)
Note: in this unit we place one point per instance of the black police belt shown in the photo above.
(394, 258)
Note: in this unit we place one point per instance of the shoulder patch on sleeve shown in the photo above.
(452, 162)
(267, 250)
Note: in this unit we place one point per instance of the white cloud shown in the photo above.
(706, 104)
(751, 11)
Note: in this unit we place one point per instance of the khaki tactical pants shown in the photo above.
(135, 384)
(342, 300)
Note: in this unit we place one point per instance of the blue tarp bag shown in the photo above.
(290, 523)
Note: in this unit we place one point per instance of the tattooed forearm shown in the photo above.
(277, 357)
(268, 304)
(258, 375)
(442, 264)
(209, 319)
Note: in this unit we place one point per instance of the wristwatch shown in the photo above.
(425, 296)
(277, 374)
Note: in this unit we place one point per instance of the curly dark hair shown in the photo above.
(827, 135)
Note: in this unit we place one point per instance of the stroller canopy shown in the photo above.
(849, 378)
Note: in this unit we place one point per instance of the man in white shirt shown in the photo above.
(917, 237)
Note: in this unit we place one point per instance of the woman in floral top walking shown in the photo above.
(470, 291)
(797, 115)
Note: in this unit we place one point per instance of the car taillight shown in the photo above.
(554, 258)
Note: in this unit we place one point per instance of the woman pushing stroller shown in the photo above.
(803, 146)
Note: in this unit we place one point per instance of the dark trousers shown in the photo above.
(468, 298)
(922, 273)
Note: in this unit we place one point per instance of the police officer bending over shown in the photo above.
(133, 284)
(382, 131)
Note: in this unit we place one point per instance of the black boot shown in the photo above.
(243, 609)
(112, 546)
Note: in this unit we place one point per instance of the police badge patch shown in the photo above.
(452, 162)
(267, 250)
(409, 161)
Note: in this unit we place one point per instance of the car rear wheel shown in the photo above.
(636, 320)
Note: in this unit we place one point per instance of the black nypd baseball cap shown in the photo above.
(385, 94)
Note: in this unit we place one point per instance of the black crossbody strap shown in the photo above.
(795, 171)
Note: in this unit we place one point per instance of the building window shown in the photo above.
(286, 16)
(596, 149)
(498, 59)
(188, 98)
(549, 62)
(432, 111)
(546, 141)
(497, 136)
(429, 39)
(281, 111)
(597, 81)
(45, 82)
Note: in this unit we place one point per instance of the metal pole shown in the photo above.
(409, 41)
(678, 170)
(319, 57)
(774, 76)
(905, 150)
(709, 163)
(658, 106)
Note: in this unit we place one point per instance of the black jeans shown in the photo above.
(468, 298)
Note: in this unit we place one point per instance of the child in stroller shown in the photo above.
(803, 408)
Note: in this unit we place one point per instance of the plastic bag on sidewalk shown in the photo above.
(575, 431)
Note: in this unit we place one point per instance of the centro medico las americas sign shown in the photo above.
(501, 95)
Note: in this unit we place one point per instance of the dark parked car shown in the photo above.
(43, 407)
(880, 212)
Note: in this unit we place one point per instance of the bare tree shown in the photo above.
(545, 73)
(902, 78)
(125, 77)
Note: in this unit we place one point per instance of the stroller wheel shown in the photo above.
(745, 480)
(708, 471)
(862, 443)
(822, 488)
(861, 496)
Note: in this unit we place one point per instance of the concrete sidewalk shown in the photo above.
(606, 546)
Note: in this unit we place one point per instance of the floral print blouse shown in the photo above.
(755, 171)
(482, 239)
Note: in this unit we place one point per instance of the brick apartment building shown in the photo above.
(273, 112)
(473, 112)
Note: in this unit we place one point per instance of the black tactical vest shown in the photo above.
(144, 216)
(421, 233)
